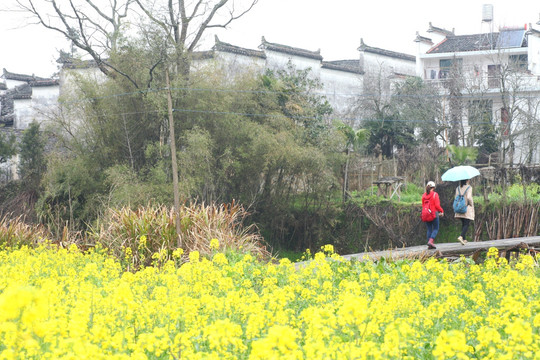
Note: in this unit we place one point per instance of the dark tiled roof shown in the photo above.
(7, 120)
(7, 107)
(389, 53)
(23, 91)
(3, 86)
(44, 82)
(420, 38)
(225, 47)
(202, 55)
(21, 77)
(475, 42)
(440, 30)
(265, 45)
(352, 66)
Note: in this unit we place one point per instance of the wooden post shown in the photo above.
(172, 141)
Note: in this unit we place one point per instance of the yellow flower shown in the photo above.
(220, 259)
(328, 248)
(214, 244)
(177, 253)
(194, 256)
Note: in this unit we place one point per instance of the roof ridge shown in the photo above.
(440, 30)
(364, 47)
(223, 46)
(290, 49)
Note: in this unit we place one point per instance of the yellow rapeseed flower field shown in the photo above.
(63, 304)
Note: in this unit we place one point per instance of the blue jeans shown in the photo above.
(433, 228)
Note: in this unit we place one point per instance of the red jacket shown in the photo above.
(434, 200)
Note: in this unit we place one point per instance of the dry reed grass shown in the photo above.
(136, 235)
(15, 232)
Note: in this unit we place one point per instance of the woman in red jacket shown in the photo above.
(435, 205)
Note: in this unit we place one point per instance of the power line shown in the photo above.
(484, 95)
(296, 117)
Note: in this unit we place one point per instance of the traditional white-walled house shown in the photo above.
(499, 69)
(342, 80)
(24, 98)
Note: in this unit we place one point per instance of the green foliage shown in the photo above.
(32, 162)
(7, 146)
(392, 118)
(415, 104)
(71, 194)
(298, 100)
(514, 194)
(353, 138)
(410, 194)
(461, 155)
(128, 189)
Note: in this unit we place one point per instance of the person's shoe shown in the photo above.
(461, 240)
(431, 244)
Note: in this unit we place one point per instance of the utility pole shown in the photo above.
(176, 191)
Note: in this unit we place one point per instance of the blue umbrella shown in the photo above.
(462, 172)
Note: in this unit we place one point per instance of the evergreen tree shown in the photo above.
(7, 147)
(32, 158)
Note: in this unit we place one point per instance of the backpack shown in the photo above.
(460, 203)
(427, 214)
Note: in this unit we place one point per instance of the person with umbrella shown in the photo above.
(463, 174)
(465, 189)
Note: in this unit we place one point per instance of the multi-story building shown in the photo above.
(488, 79)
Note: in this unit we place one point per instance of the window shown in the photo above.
(447, 66)
(519, 61)
(494, 76)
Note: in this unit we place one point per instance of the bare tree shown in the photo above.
(87, 24)
(97, 27)
(184, 23)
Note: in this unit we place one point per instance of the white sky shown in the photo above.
(334, 26)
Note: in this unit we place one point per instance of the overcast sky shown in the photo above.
(335, 27)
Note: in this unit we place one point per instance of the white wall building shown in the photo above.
(501, 69)
(23, 99)
(342, 80)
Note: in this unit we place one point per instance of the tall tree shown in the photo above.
(32, 155)
(7, 147)
(353, 140)
(380, 112)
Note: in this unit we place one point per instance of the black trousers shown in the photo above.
(464, 226)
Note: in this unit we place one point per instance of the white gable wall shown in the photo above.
(236, 63)
(341, 88)
(373, 62)
(533, 52)
(278, 60)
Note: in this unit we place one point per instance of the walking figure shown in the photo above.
(431, 210)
